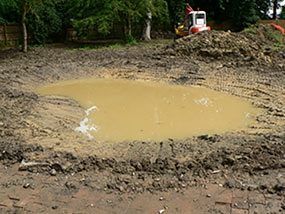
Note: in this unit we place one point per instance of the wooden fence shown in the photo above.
(10, 35)
(277, 22)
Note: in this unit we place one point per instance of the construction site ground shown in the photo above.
(48, 167)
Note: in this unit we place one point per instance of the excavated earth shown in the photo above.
(37, 132)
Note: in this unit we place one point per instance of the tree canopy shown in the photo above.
(282, 14)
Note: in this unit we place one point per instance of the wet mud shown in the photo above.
(37, 133)
(122, 110)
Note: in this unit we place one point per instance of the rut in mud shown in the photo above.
(41, 129)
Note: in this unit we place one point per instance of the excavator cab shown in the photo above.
(194, 22)
(197, 22)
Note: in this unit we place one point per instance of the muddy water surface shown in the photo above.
(118, 110)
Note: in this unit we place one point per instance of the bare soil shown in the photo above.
(37, 134)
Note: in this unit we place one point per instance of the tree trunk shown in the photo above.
(25, 34)
(5, 34)
(275, 7)
(147, 27)
(129, 26)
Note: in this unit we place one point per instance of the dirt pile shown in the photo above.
(222, 46)
(266, 34)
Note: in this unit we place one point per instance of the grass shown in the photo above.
(274, 36)
(116, 46)
(8, 43)
(120, 45)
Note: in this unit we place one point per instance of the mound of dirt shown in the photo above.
(266, 34)
(222, 46)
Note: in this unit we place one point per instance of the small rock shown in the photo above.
(13, 197)
(54, 207)
(27, 185)
(209, 196)
(53, 172)
(216, 171)
(121, 188)
(279, 188)
(283, 206)
(252, 187)
(70, 185)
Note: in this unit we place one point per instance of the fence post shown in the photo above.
(5, 34)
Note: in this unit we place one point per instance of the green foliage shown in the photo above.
(160, 12)
(176, 10)
(47, 19)
(268, 33)
(130, 41)
(44, 22)
(282, 14)
(9, 11)
(115, 46)
(263, 6)
(88, 15)
(243, 13)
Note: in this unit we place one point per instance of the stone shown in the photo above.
(53, 172)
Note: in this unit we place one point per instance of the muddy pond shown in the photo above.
(124, 110)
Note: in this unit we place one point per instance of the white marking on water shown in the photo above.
(204, 101)
(91, 109)
(84, 128)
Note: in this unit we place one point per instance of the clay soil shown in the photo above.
(47, 167)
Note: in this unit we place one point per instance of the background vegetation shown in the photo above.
(47, 20)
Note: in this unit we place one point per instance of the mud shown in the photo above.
(121, 110)
(34, 128)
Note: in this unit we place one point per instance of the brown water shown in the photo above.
(118, 110)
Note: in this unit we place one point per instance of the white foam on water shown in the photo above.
(84, 128)
(204, 101)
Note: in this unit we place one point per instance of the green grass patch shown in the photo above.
(123, 44)
(116, 46)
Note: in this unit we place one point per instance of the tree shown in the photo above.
(28, 6)
(8, 11)
(45, 21)
(282, 14)
(147, 27)
(176, 10)
(159, 11)
(242, 12)
(276, 5)
(88, 15)
(263, 7)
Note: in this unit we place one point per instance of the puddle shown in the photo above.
(118, 110)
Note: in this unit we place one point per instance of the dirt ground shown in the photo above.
(47, 167)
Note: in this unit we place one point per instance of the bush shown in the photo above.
(130, 40)
(44, 23)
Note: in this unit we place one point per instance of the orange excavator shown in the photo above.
(194, 22)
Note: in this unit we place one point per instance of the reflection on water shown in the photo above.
(118, 110)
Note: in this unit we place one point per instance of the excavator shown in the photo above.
(194, 22)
